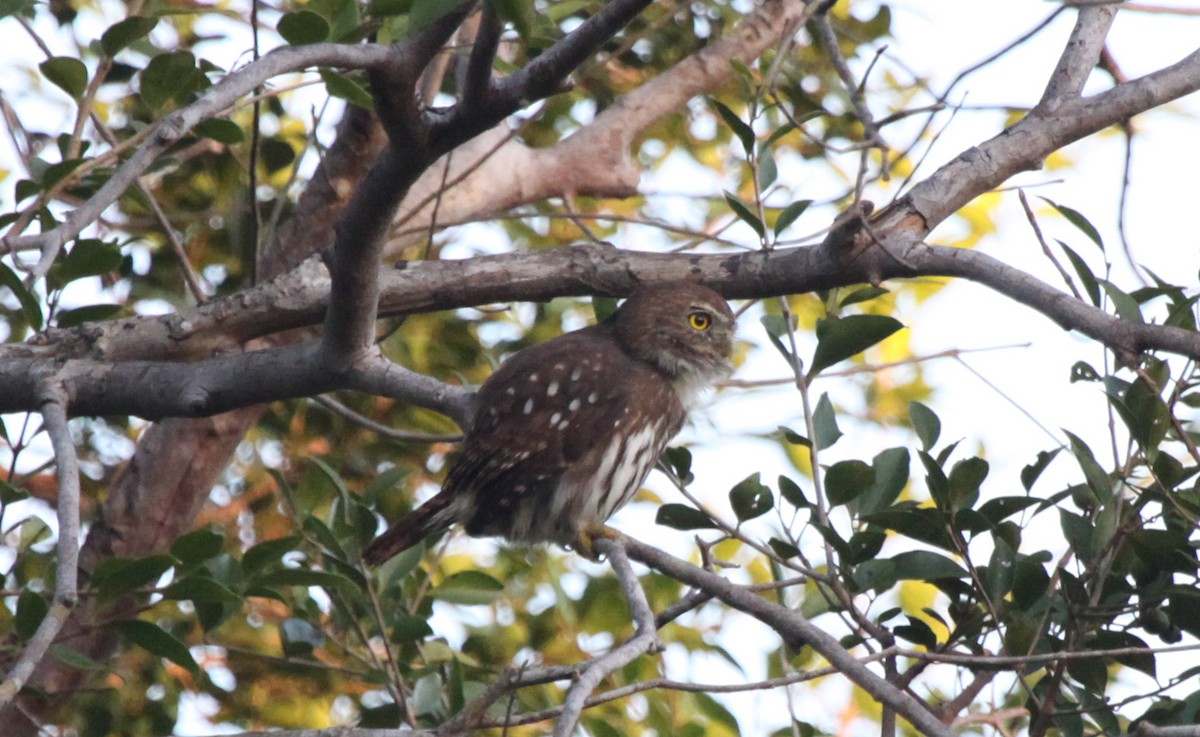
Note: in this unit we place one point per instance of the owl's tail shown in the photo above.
(433, 516)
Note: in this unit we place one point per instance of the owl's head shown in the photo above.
(684, 329)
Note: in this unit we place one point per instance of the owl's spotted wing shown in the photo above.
(549, 414)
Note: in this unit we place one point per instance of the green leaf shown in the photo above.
(926, 525)
(1097, 480)
(268, 553)
(1109, 640)
(866, 544)
(841, 338)
(790, 214)
(925, 421)
(125, 32)
(1001, 571)
(750, 498)
(88, 257)
(67, 73)
(167, 77)
(24, 8)
(1001, 508)
(29, 303)
(683, 517)
(521, 13)
(468, 587)
(1127, 307)
(335, 478)
(891, 476)
(777, 327)
(1090, 285)
(745, 214)
(1030, 473)
(75, 659)
(716, 712)
(768, 170)
(89, 313)
(220, 130)
(299, 638)
(116, 576)
(782, 548)
(1083, 371)
(794, 438)
(864, 294)
(198, 546)
(917, 632)
(303, 27)
(789, 490)
(878, 574)
(825, 422)
(845, 480)
(604, 307)
(426, 12)
(410, 628)
(679, 462)
(31, 610)
(1079, 221)
(347, 89)
(926, 565)
(740, 128)
(966, 477)
(201, 589)
(1077, 531)
(157, 641)
(306, 577)
(1029, 585)
(8, 492)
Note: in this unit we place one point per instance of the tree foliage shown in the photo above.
(259, 256)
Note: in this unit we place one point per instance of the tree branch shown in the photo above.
(1024, 145)
(645, 640)
(54, 415)
(167, 388)
(1081, 54)
(795, 630)
(215, 100)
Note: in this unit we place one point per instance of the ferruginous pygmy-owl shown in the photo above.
(566, 431)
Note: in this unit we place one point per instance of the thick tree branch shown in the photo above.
(54, 414)
(1081, 54)
(477, 79)
(162, 388)
(595, 160)
(1023, 146)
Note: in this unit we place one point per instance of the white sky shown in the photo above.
(937, 38)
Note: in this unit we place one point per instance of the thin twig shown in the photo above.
(378, 428)
(1037, 231)
(54, 415)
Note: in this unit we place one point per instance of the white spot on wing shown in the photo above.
(554, 418)
(574, 405)
(593, 397)
(528, 406)
(510, 391)
(552, 389)
(576, 373)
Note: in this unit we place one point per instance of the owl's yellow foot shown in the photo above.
(585, 544)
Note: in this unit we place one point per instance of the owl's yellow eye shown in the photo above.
(700, 320)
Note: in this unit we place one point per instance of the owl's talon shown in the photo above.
(585, 544)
